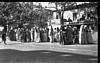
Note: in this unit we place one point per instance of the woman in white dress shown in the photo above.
(37, 35)
(51, 34)
(31, 32)
(85, 36)
(82, 35)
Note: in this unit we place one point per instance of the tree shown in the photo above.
(8, 10)
(22, 12)
(63, 5)
(41, 16)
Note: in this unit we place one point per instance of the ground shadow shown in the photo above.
(43, 56)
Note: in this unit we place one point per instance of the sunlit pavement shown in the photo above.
(45, 52)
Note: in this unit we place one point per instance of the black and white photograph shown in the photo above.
(48, 32)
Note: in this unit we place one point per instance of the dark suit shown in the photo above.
(4, 37)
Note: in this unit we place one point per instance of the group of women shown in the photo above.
(71, 35)
(66, 35)
(85, 36)
(34, 34)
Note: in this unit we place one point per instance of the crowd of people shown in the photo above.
(34, 34)
(85, 36)
(68, 34)
(71, 35)
(65, 35)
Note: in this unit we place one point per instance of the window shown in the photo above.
(74, 16)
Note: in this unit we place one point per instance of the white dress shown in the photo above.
(36, 36)
(31, 32)
(80, 34)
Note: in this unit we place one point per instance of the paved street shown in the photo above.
(17, 52)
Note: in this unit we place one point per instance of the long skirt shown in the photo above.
(28, 37)
(57, 36)
(17, 36)
(23, 37)
(37, 37)
(45, 38)
(69, 38)
(41, 36)
(90, 39)
(32, 36)
(95, 36)
(63, 39)
(84, 38)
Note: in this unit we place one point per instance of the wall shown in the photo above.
(68, 14)
(55, 23)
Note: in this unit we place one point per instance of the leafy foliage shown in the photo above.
(22, 12)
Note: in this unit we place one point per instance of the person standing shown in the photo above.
(28, 35)
(32, 34)
(89, 35)
(80, 34)
(18, 34)
(4, 38)
(21, 35)
(51, 34)
(24, 35)
(45, 35)
(75, 37)
(41, 31)
(37, 35)
(63, 35)
(57, 35)
(48, 35)
(42, 34)
(83, 35)
(12, 34)
(69, 33)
